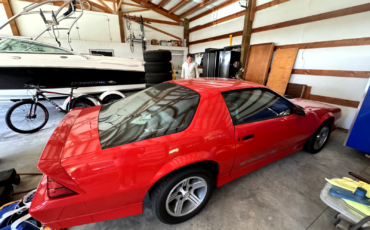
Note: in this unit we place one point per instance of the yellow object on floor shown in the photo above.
(349, 184)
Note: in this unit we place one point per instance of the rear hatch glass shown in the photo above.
(163, 109)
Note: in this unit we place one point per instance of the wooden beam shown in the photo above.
(216, 8)
(247, 34)
(114, 6)
(253, 10)
(9, 14)
(162, 3)
(186, 32)
(100, 7)
(161, 11)
(224, 36)
(218, 21)
(130, 4)
(334, 73)
(270, 4)
(106, 6)
(314, 18)
(119, 5)
(195, 8)
(152, 27)
(133, 11)
(156, 21)
(333, 100)
(178, 5)
(121, 26)
(328, 44)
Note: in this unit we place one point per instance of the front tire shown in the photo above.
(181, 195)
(319, 139)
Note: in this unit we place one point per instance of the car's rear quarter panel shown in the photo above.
(122, 175)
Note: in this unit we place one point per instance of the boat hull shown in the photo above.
(12, 80)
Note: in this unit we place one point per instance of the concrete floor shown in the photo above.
(282, 195)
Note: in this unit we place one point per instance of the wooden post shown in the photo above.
(121, 26)
(247, 33)
(186, 32)
(9, 14)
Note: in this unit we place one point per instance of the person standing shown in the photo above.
(189, 68)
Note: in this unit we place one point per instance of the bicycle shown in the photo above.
(132, 35)
(30, 116)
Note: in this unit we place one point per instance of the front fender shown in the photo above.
(182, 161)
(327, 116)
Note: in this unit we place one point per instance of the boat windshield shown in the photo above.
(9, 45)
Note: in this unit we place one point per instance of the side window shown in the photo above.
(252, 105)
(21, 46)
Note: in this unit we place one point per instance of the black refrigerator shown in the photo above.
(226, 61)
(210, 62)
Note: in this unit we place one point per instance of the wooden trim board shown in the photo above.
(333, 100)
(334, 73)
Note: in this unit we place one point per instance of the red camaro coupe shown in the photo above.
(176, 141)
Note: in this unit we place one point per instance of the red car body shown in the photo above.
(112, 183)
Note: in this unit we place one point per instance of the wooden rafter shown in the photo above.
(121, 29)
(152, 27)
(133, 11)
(119, 5)
(130, 4)
(162, 3)
(100, 7)
(270, 4)
(195, 8)
(161, 11)
(9, 14)
(178, 5)
(106, 6)
(253, 10)
(156, 21)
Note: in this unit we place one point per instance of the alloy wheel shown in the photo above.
(186, 196)
(321, 138)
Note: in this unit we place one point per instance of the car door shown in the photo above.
(258, 115)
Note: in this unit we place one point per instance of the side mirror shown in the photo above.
(299, 111)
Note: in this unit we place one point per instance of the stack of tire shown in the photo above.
(157, 67)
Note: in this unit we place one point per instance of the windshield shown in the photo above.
(9, 45)
(160, 110)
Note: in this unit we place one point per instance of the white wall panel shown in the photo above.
(219, 29)
(355, 58)
(214, 44)
(288, 10)
(7, 31)
(339, 87)
(346, 27)
(207, 7)
(233, 8)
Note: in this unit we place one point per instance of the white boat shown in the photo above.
(25, 61)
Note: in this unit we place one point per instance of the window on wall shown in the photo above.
(252, 105)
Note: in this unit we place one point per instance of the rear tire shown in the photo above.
(157, 67)
(189, 187)
(157, 56)
(157, 77)
(319, 139)
(84, 101)
(32, 123)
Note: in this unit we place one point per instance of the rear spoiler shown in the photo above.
(50, 159)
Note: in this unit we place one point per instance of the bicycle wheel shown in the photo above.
(27, 117)
(85, 101)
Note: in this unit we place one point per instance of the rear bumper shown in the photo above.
(71, 211)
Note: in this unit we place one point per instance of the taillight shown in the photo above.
(56, 190)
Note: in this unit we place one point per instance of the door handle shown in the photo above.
(248, 137)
